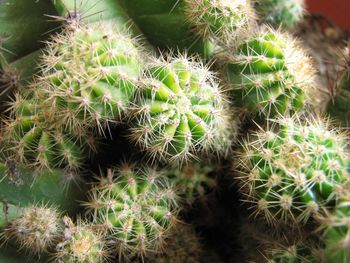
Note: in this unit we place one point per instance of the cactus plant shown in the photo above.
(294, 168)
(219, 19)
(180, 111)
(269, 73)
(81, 242)
(194, 180)
(138, 207)
(35, 228)
(281, 13)
(33, 137)
(90, 73)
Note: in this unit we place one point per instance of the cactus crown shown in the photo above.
(138, 206)
(220, 19)
(270, 74)
(293, 171)
(180, 111)
(81, 243)
(90, 73)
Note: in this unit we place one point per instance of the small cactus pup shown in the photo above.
(269, 74)
(219, 19)
(138, 206)
(293, 169)
(281, 13)
(180, 111)
(339, 105)
(89, 73)
(35, 228)
(81, 242)
(33, 137)
(194, 180)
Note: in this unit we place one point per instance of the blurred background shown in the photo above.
(336, 10)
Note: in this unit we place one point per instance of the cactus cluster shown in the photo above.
(153, 97)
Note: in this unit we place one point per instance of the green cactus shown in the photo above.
(33, 137)
(297, 253)
(194, 180)
(81, 243)
(165, 26)
(269, 74)
(34, 228)
(221, 20)
(24, 27)
(22, 186)
(293, 169)
(138, 206)
(336, 231)
(90, 72)
(281, 13)
(180, 111)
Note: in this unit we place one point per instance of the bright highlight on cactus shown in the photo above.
(291, 170)
(180, 111)
(36, 229)
(91, 72)
(270, 74)
(138, 206)
(33, 137)
(219, 19)
(284, 13)
(81, 243)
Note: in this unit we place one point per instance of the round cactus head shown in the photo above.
(270, 74)
(32, 137)
(138, 206)
(81, 243)
(36, 229)
(180, 111)
(291, 170)
(219, 19)
(281, 13)
(90, 73)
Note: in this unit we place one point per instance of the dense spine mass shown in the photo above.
(180, 111)
(293, 170)
(269, 74)
(90, 73)
(219, 19)
(138, 207)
